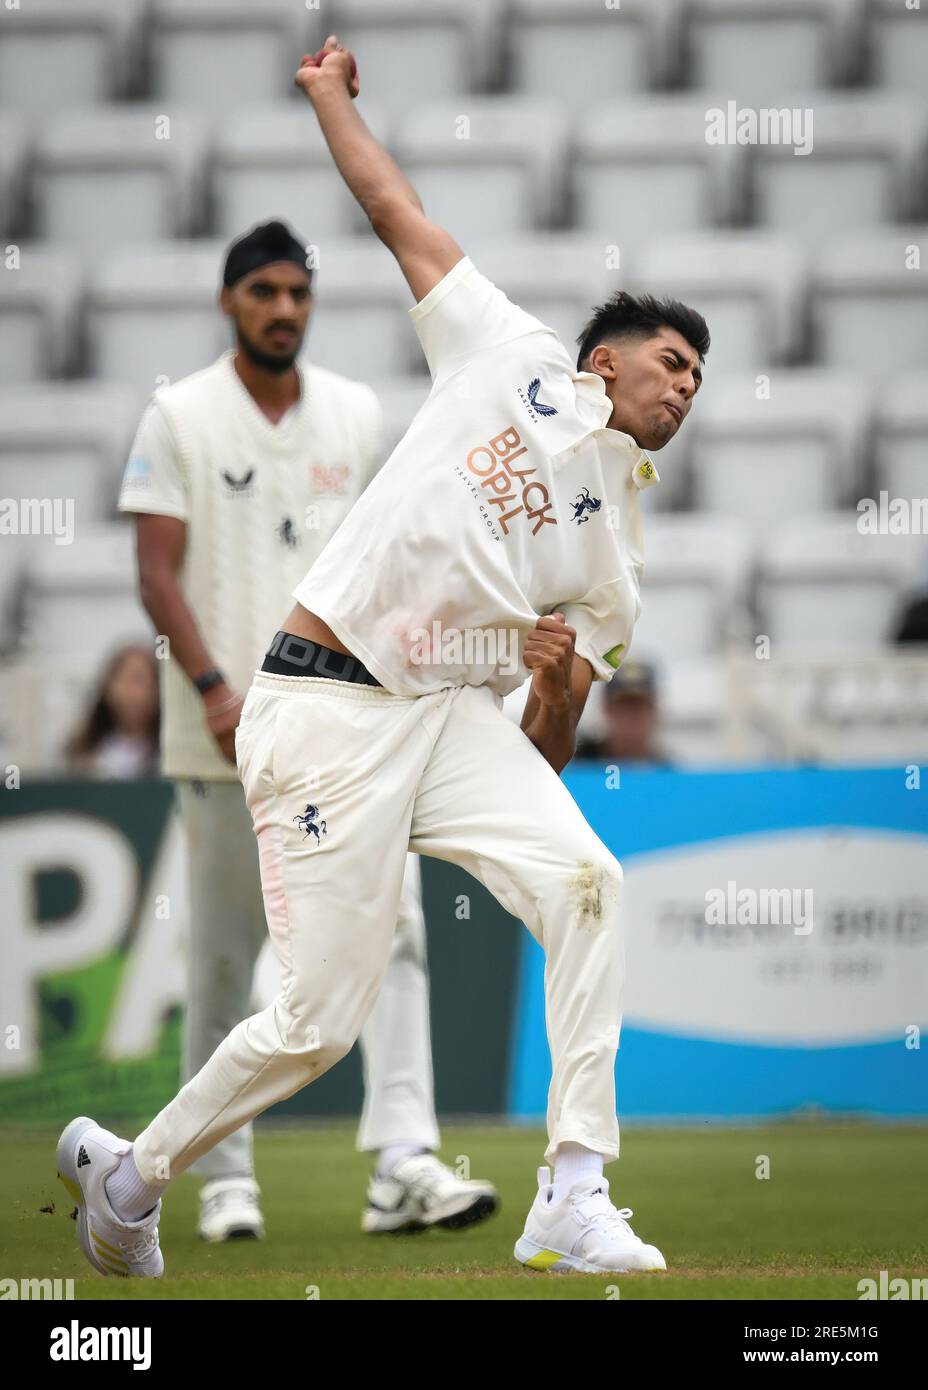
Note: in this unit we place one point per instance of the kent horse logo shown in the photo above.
(307, 822)
(585, 506)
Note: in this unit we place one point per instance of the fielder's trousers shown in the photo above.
(341, 780)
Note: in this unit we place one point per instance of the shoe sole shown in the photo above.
(538, 1257)
(386, 1223)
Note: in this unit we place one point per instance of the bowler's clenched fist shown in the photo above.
(549, 655)
(332, 60)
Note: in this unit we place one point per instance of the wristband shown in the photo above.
(209, 680)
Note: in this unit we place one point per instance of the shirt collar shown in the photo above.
(595, 407)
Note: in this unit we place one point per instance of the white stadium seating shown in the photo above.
(213, 55)
(406, 48)
(81, 599)
(632, 162)
(747, 285)
(56, 54)
(865, 166)
(901, 437)
(67, 440)
(825, 585)
(760, 50)
(152, 313)
(897, 43)
(793, 444)
(695, 579)
(272, 161)
(495, 168)
(565, 143)
(39, 296)
(360, 325)
(588, 50)
(870, 302)
(109, 176)
(12, 166)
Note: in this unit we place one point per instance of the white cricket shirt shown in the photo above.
(507, 499)
(259, 502)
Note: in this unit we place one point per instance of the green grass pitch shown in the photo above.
(842, 1203)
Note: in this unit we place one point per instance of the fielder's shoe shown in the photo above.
(86, 1156)
(229, 1210)
(583, 1232)
(420, 1191)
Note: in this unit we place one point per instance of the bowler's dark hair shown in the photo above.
(628, 316)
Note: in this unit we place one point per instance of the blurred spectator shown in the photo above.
(630, 720)
(119, 736)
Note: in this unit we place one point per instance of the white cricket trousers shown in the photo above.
(444, 774)
(227, 932)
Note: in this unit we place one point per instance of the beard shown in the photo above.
(278, 363)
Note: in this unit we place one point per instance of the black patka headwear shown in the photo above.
(269, 242)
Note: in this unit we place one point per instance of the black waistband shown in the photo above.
(297, 656)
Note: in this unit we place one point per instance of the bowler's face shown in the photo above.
(656, 380)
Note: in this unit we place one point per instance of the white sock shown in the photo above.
(131, 1197)
(573, 1161)
(389, 1157)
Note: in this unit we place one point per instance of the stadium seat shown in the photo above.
(360, 326)
(696, 572)
(558, 277)
(428, 52)
(81, 598)
(67, 441)
(694, 698)
(901, 436)
(400, 398)
(897, 43)
(39, 295)
(107, 177)
(870, 302)
(64, 53)
(825, 585)
(768, 458)
(586, 50)
(865, 168)
(213, 55)
(632, 161)
(12, 167)
(495, 169)
(273, 161)
(152, 314)
(748, 286)
(760, 50)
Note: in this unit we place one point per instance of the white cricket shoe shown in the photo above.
(229, 1210)
(420, 1191)
(86, 1156)
(584, 1232)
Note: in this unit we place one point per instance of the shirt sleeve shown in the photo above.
(604, 627)
(155, 479)
(465, 315)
